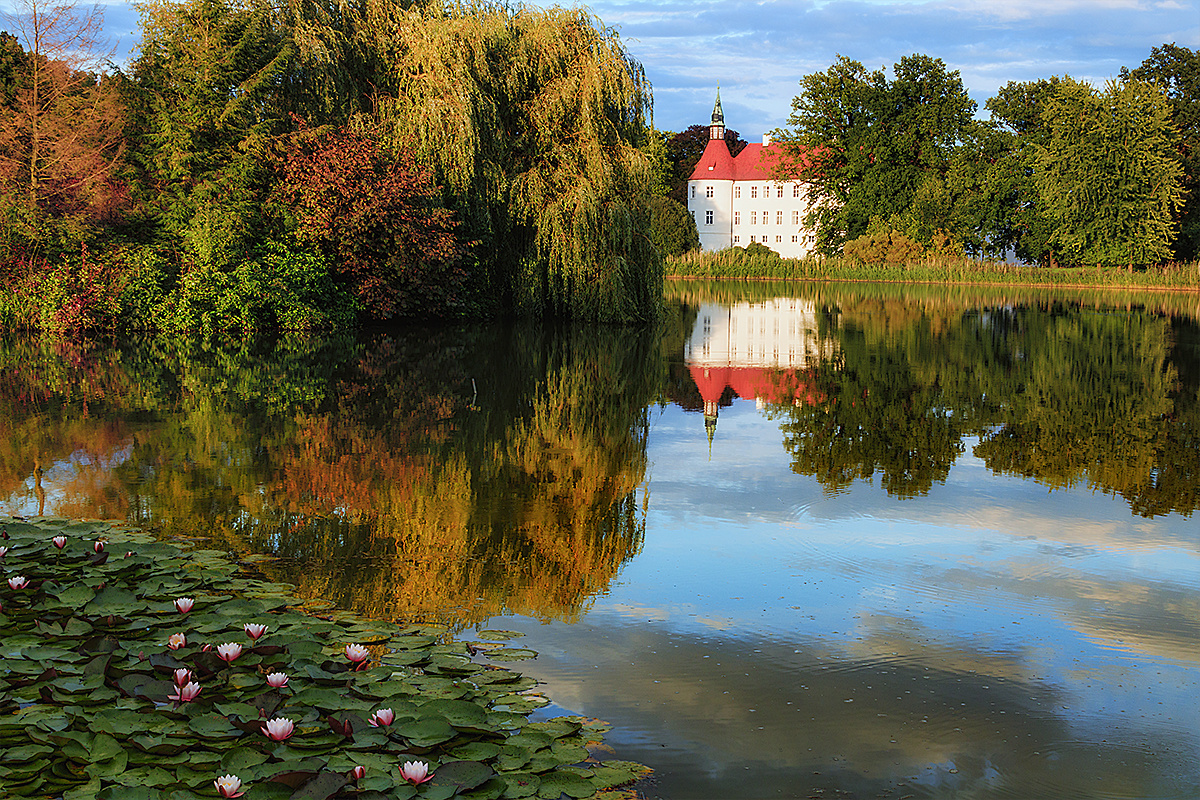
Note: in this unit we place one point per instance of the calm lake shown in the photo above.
(835, 541)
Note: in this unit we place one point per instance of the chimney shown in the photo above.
(766, 140)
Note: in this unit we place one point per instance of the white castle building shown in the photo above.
(736, 201)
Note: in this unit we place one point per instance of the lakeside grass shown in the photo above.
(737, 263)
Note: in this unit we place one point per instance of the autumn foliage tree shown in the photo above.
(62, 126)
(375, 214)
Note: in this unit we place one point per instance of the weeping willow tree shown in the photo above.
(531, 119)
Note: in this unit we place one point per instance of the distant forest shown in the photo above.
(316, 165)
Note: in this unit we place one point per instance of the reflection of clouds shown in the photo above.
(886, 712)
(69, 484)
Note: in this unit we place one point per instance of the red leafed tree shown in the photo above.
(377, 215)
(62, 126)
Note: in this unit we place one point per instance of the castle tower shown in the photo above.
(717, 129)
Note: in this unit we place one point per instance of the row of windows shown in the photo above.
(766, 192)
(778, 239)
(766, 217)
(737, 191)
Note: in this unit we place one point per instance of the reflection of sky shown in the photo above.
(991, 638)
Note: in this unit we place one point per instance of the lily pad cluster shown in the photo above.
(133, 669)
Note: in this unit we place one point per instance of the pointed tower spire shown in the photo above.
(717, 129)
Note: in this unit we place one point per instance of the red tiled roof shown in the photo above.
(777, 386)
(754, 163)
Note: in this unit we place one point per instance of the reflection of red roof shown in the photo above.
(754, 163)
(779, 386)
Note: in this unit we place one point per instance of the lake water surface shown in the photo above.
(798, 541)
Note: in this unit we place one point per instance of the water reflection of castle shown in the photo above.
(759, 350)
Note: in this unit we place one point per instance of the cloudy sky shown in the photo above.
(758, 49)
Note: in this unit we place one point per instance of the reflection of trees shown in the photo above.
(1056, 393)
(446, 474)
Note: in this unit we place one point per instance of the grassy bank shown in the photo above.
(740, 264)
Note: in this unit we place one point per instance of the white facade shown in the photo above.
(777, 334)
(736, 201)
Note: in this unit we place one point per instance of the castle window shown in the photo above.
(779, 190)
(754, 191)
(737, 218)
(737, 239)
(753, 220)
(795, 217)
(795, 190)
(778, 217)
(708, 217)
(708, 191)
(693, 191)
(737, 192)
(795, 239)
(778, 238)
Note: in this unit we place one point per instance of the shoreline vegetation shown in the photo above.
(311, 166)
(760, 264)
(138, 669)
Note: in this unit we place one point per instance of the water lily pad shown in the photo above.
(556, 784)
(426, 732)
(521, 784)
(498, 636)
(213, 726)
(462, 774)
(476, 751)
(510, 654)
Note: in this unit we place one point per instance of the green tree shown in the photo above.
(1176, 70)
(874, 147)
(206, 91)
(1021, 222)
(531, 120)
(1109, 174)
(672, 228)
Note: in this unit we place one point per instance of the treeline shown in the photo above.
(310, 164)
(1061, 173)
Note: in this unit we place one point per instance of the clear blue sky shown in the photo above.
(759, 49)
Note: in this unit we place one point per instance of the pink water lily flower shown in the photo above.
(177, 641)
(60, 542)
(184, 604)
(3, 551)
(277, 679)
(228, 785)
(229, 651)
(254, 630)
(356, 653)
(416, 772)
(128, 553)
(381, 718)
(18, 582)
(357, 773)
(278, 729)
(98, 546)
(182, 676)
(185, 693)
